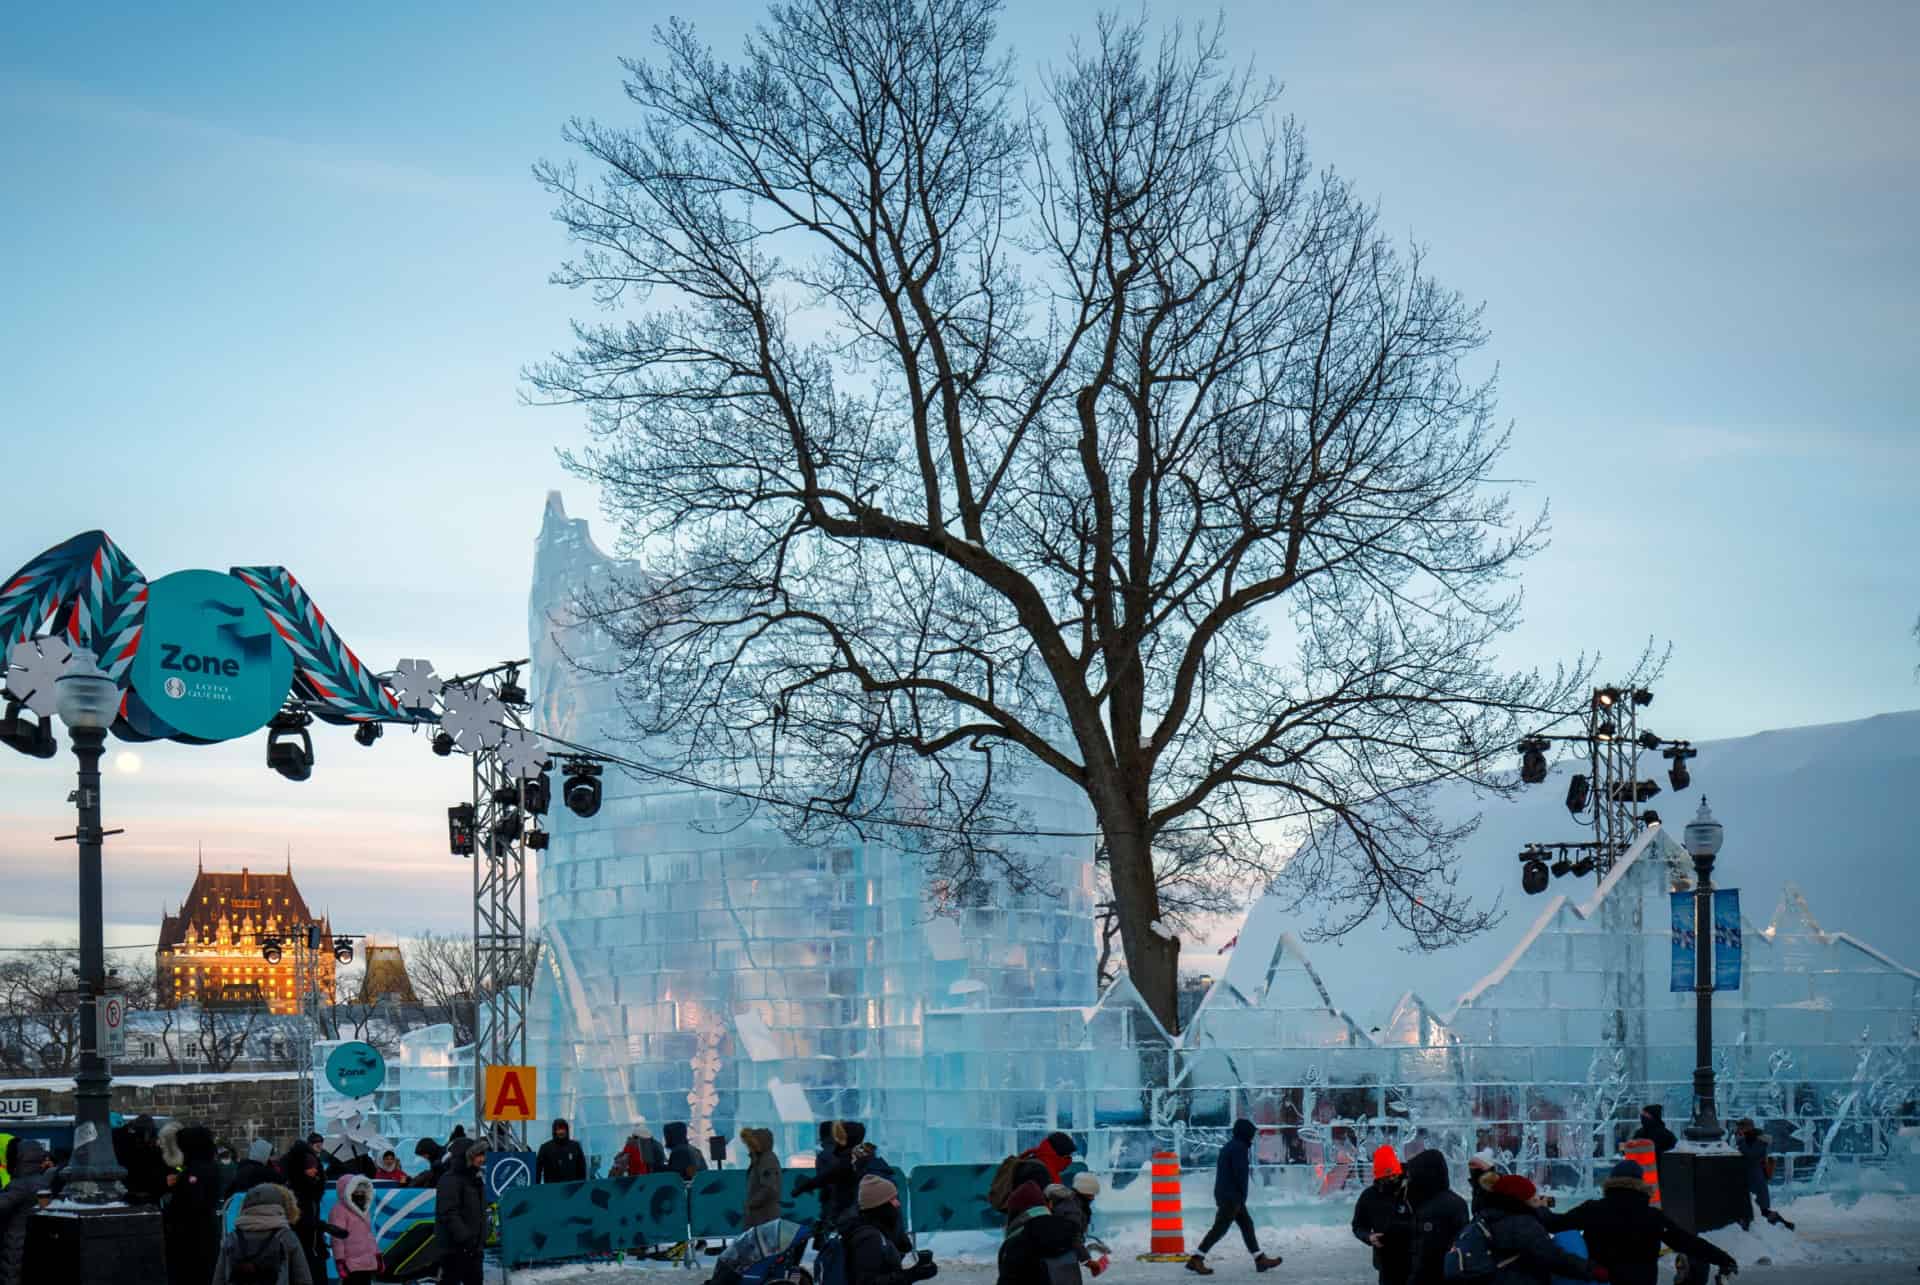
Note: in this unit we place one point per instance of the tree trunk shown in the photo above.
(1153, 961)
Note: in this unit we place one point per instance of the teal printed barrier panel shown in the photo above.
(718, 1199)
(951, 1198)
(798, 1209)
(541, 1224)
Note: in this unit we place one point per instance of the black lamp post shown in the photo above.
(1702, 837)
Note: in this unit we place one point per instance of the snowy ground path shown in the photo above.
(1872, 1241)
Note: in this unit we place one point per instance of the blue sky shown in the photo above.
(271, 276)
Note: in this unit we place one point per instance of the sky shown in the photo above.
(271, 277)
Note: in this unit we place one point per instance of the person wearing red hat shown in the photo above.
(1523, 1251)
(1383, 1220)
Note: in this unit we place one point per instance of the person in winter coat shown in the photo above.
(29, 1177)
(683, 1157)
(1055, 1152)
(837, 1170)
(560, 1158)
(305, 1178)
(1753, 1145)
(1383, 1220)
(136, 1148)
(876, 1240)
(1043, 1246)
(1653, 1128)
(255, 1169)
(1438, 1217)
(262, 1248)
(460, 1213)
(1232, 1179)
(389, 1170)
(435, 1155)
(1483, 1170)
(1522, 1249)
(763, 1177)
(1624, 1231)
(356, 1255)
(189, 1216)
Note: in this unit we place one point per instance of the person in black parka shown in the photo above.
(683, 1157)
(1653, 1128)
(875, 1240)
(31, 1176)
(460, 1213)
(1624, 1231)
(304, 1174)
(1382, 1219)
(137, 1149)
(837, 1172)
(560, 1158)
(1522, 1248)
(190, 1213)
(1232, 1184)
(1438, 1217)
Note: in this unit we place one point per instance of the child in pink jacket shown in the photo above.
(356, 1255)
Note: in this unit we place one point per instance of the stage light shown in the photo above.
(32, 736)
(511, 692)
(1650, 817)
(1584, 867)
(1649, 741)
(581, 789)
(1561, 866)
(443, 744)
(289, 748)
(1677, 775)
(343, 950)
(536, 795)
(1603, 730)
(1642, 696)
(1534, 878)
(505, 832)
(1533, 760)
(537, 840)
(270, 949)
(507, 794)
(1632, 791)
(367, 733)
(1577, 793)
(460, 829)
(1605, 697)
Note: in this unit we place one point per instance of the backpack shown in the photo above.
(830, 1264)
(260, 1265)
(1001, 1188)
(1471, 1256)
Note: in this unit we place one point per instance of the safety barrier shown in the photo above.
(1641, 1152)
(1168, 1229)
(717, 1202)
(600, 1217)
(951, 1198)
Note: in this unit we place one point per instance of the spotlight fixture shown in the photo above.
(507, 794)
(1561, 866)
(536, 795)
(1650, 817)
(1584, 867)
(1603, 730)
(443, 743)
(1649, 740)
(1642, 696)
(315, 941)
(1534, 877)
(537, 840)
(1605, 697)
(581, 789)
(1533, 760)
(367, 733)
(270, 948)
(505, 832)
(511, 692)
(460, 829)
(31, 736)
(289, 748)
(1677, 775)
(1632, 791)
(343, 950)
(1577, 790)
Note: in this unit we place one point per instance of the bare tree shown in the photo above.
(223, 1033)
(39, 1010)
(1103, 438)
(1197, 875)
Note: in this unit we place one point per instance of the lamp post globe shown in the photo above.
(86, 699)
(1703, 834)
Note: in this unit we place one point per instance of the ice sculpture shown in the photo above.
(707, 969)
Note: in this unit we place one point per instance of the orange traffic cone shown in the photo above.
(1641, 1152)
(1169, 1240)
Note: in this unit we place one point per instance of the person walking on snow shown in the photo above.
(763, 1177)
(1624, 1231)
(1438, 1217)
(560, 1158)
(356, 1255)
(1382, 1218)
(1232, 1183)
(1753, 1146)
(1523, 1252)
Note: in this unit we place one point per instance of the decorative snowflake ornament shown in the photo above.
(416, 684)
(35, 664)
(475, 720)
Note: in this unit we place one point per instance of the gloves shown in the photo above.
(924, 1271)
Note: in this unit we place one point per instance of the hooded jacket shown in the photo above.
(1233, 1171)
(189, 1216)
(135, 1149)
(683, 1157)
(433, 1153)
(459, 1205)
(763, 1177)
(1523, 1249)
(837, 1172)
(1438, 1217)
(1653, 1128)
(358, 1250)
(875, 1242)
(262, 1230)
(1055, 1152)
(1031, 1251)
(560, 1159)
(1624, 1233)
(1383, 1210)
(17, 1205)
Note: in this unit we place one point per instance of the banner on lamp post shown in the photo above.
(1686, 953)
(1726, 939)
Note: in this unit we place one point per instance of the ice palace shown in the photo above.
(704, 970)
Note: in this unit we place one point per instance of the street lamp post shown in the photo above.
(88, 702)
(1702, 837)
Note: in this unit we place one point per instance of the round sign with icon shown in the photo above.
(355, 1069)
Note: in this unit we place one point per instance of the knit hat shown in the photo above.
(1026, 1196)
(876, 1191)
(1514, 1187)
(1386, 1163)
(477, 1147)
(1483, 1159)
(1627, 1169)
(1086, 1183)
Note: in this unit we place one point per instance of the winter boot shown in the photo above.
(1198, 1265)
(1773, 1217)
(1265, 1262)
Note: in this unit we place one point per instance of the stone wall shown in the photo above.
(237, 1110)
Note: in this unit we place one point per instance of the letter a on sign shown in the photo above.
(511, 1092)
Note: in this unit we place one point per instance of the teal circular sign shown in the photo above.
(210, 665)
(356, 1069)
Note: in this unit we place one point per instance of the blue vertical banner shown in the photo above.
(1686, 957)
(1726, 939)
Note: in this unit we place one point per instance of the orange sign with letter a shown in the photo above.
(511, 1092)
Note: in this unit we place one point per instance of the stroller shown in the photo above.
(768, 1254)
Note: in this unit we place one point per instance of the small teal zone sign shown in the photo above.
(356, 1069)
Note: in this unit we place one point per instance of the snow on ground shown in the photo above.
(1869, 1241)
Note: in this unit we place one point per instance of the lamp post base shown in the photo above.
(96, 1245)
(1705, 1190)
